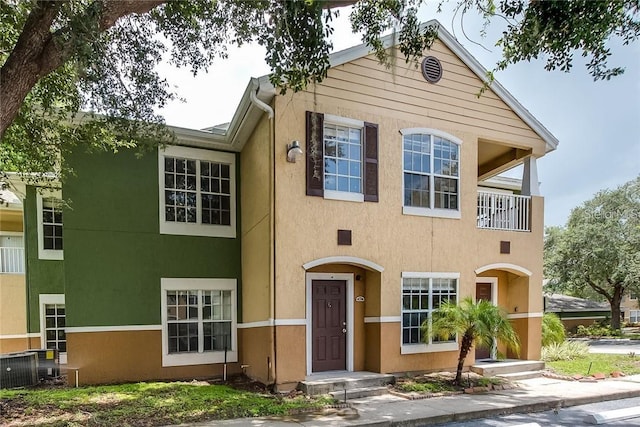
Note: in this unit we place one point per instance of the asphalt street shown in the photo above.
(620, 346)
(573, 416)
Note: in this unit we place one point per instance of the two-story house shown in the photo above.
(225, 249)
(13, 316)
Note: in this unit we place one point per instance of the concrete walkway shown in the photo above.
(532, 395)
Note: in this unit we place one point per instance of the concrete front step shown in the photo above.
(524, 375)
(491, 369)
(357, 393)
(339, 381)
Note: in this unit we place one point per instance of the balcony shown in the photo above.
(11, 260)
(499, 211)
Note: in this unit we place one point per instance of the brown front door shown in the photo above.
(329, 320)
(483, 292)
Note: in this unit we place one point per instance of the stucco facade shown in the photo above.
(386, 243)
(13, 293)
(221, 232)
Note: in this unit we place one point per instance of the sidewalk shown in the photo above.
(533, 395)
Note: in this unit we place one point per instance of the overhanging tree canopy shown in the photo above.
(60, 57)
(598, 253)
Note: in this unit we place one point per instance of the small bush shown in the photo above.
(596, 331)
(567, 350)
(552, 329)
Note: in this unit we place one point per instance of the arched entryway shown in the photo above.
(342, 293)
(513, 288)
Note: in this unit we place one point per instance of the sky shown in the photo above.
(596, 122)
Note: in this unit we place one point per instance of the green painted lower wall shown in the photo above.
(43, 276)
(114, 255)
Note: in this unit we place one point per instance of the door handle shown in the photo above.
(344, 330)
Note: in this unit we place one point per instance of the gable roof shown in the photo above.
(359, 51)
(260, 92)
(557, 303)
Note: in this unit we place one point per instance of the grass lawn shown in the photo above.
(604, 363)
(141, 404)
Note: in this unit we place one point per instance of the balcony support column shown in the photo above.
(530, 185)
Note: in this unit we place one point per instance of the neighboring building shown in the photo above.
(13, 292)
(575, 311)
(630, 307)
(219, 249)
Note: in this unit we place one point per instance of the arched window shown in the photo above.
(431, 166)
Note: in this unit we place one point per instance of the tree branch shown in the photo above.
(39, 52)
(599, 290)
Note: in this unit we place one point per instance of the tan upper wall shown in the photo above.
(256, 203)
(307, 229)
(13, 300)
(11, 220)
(403, 93)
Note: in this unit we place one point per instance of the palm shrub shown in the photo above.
(567, 350)
(552, 329)
(479, 323)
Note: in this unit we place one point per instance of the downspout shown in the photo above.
(272, 190)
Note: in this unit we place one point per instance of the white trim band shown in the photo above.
(20, 336)
(272, 322)
(383, 319)
(523, 315)
(115, 328)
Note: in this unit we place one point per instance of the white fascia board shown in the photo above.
(244, 119)
(498, 89)
(359, 51)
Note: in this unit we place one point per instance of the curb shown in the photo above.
(524, 408)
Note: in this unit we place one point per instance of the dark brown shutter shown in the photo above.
(370, 162)
(315, 154)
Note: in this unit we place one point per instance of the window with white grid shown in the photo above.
(431, 165)
(197, 192)
(342, 158)
(50, 227)
(634, 316)
(54, 323)
(422, 293)
(198, 321)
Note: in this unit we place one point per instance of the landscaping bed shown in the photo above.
(592, 364)
(442, 384)
(147, 404)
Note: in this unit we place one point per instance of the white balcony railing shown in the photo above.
(12, 260)
(498, 211)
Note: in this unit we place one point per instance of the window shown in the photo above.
(50, 230)
(634, 316)
(421, 294)
(53, 323)
(342, 158)
(54, 332)
(431, 164)
(198, 317)
(197, 192)
(633, 295)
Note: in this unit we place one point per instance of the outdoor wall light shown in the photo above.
(293, 151)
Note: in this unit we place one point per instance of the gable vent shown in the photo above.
(431, 69)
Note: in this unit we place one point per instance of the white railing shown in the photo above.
(498, 211)
(11, 260)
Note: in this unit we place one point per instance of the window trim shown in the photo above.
(43, 300)
(346, 196)
(433, 212)
(197, 229)
(48, 254)
(190, 284)
(314, 153)
(423, 347)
